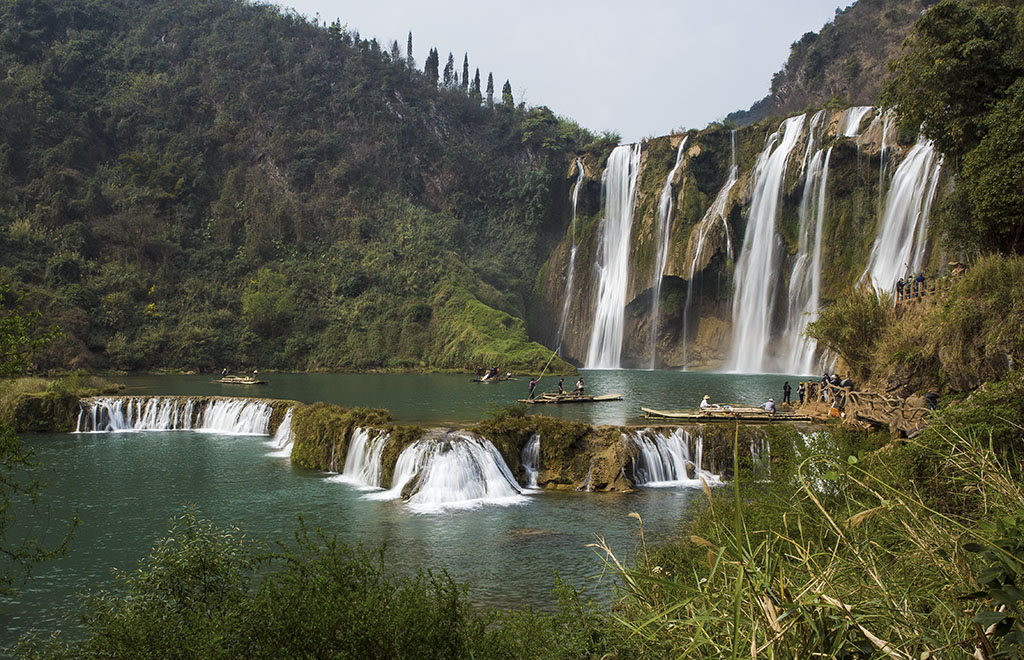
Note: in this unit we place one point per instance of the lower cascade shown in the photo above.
(283, 440)
(452, 470)
(207, 414)
(530, 458)
(363, 461)
(670, 459)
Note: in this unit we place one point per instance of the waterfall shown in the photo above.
(620, 179)
(363, 461)
(283, 440)
(902, 237)
(849, 122)
(714, 215)
(530, 458)
(567, 302)
(757, 267)
(805, 276)
(453, 471)
(669, 459)
(209, 414)
(663, 230)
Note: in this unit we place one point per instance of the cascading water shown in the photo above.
(902, 237)
(211, 415)
(714, 215)
(849, 122)
(530, 458)
(664, 229)
(620, 195)
(363, 460)
(757, 267)
(567, 302)
(805, 276)
(672, 459)
(453, 471)
(283, 440)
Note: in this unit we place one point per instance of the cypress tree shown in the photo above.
(465, 71)
(506, 94)
(408, 52)
(475, 88)
(396, 51)
(430, 67)
(449, 71)
(490, 90)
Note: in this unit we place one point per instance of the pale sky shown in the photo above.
(637, 67)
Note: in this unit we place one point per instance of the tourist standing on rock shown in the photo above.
(800, 392)
(899, 289)
(786, 389)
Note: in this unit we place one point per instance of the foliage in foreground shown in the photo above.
(970, 332)
(856, 555)
(206, 592)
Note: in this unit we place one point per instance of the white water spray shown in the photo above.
(757, 267)
(283, 440)
(620, 179)
(714, 215)
(805, 276)
(902, 238)
(363, 460)
(849, 122)
(672, 459)
(567, 301)
(457, 470)
(663, 231)
(211, 415)
(530, 458)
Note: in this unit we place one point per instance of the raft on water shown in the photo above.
(491, 380)
(239, 380)
(554, 397)
(733, 413)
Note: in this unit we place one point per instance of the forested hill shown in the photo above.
(847, 61)
(194, 183)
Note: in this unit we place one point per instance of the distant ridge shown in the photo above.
(846, 61)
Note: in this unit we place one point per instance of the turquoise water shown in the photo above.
(452, 399)
(126, 486)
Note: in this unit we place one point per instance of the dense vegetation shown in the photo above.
(961, 80)
(204, 184)
(846, 62)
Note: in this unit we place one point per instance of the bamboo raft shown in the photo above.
(491, 380)
(554, 397)
(239, 380)
(742, 413)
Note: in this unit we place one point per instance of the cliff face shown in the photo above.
(845, 170)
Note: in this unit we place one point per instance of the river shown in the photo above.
(125, 487)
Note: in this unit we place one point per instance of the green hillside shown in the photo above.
(199, 184)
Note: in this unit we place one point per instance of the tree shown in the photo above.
(465, 71)
(396, 51)
(17, 345)
(409, 59)
(449, 72)
(959, 62)
(474, 90)
(268, 305)
(506, 94)
(490, 90)
(430, 66)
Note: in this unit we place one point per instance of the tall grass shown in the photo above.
(852, 561)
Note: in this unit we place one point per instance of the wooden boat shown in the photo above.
(747, 414)
(239, 380)
(501, 379)
(554, 397)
